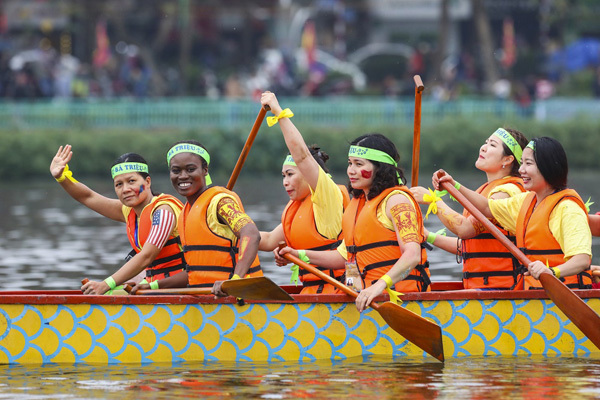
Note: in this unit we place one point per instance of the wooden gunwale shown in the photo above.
(76, 297)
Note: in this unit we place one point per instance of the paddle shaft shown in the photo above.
(568, 302)
(323, 276)
(182, 291)
(414, 181)
(244, 154)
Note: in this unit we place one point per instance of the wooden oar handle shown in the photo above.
(596, 273)
(320, 274)
(522, 258)
(84, 281)
(419, 83)
(244, 154)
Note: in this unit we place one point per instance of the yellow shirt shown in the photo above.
(568, 223)
(509, 188)
(328, 206)
(381, 217)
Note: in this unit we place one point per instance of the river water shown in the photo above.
(48, 241)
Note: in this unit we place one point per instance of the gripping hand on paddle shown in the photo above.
(441, 176)
(268, 100)
(366, 296)
(278, 253)
(60, 160)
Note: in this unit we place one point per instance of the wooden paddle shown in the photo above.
(414, 179)
(568, 302)
(425, 334)
(255, 288)
(244, 154)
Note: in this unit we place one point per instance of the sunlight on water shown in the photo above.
(364, 378)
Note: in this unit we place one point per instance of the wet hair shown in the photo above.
(134, 157)
(386, 175)
(551, 161)
(522, 140)
(197, 143)
(319, 155)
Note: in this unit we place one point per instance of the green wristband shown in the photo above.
(302, 255)
(431, 237)
(154, 285)
(456, 185)
(110, 282)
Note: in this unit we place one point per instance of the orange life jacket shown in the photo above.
(375, 247)
(209, 257)
(486, 262)
(535, 239)
(300, 230)
(170, 259)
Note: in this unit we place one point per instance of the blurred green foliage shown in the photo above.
(451, 144)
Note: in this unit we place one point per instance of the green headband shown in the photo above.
(510, 142)
(289, 160)
(127, 167)
(190, 148)
(531, 145)
(373, 155)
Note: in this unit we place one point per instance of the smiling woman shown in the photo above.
(219, 239)
(151, 219)
(486, 263)
(550, 221)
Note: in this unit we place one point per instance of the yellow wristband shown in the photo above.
(555, 272)
(456, 185)
(388, 281)
(66, 174)
(154, 285)
(110, 281)
(287, 113)
(234, 277)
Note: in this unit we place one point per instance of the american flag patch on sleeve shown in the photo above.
(162, 225)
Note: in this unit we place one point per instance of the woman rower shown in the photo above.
(312, 218)
(382, 227)
(219, 239)
(549, 221)
(151, 219)
(486, 262)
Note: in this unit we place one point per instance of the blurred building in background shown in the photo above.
(510, 49)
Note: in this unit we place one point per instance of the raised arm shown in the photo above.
(294, 142)
(110, 208)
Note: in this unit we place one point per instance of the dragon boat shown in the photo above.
(38, 327)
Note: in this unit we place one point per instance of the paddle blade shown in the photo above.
(257, 288)
(414, 328)
(573, 307)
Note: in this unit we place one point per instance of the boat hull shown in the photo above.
(67, 327)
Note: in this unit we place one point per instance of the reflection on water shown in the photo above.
(368, 378)
(48, 240)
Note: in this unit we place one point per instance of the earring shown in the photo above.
(503, 166)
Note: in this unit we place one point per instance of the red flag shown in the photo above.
(508, 43)
(309, 42)
(102, 52)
